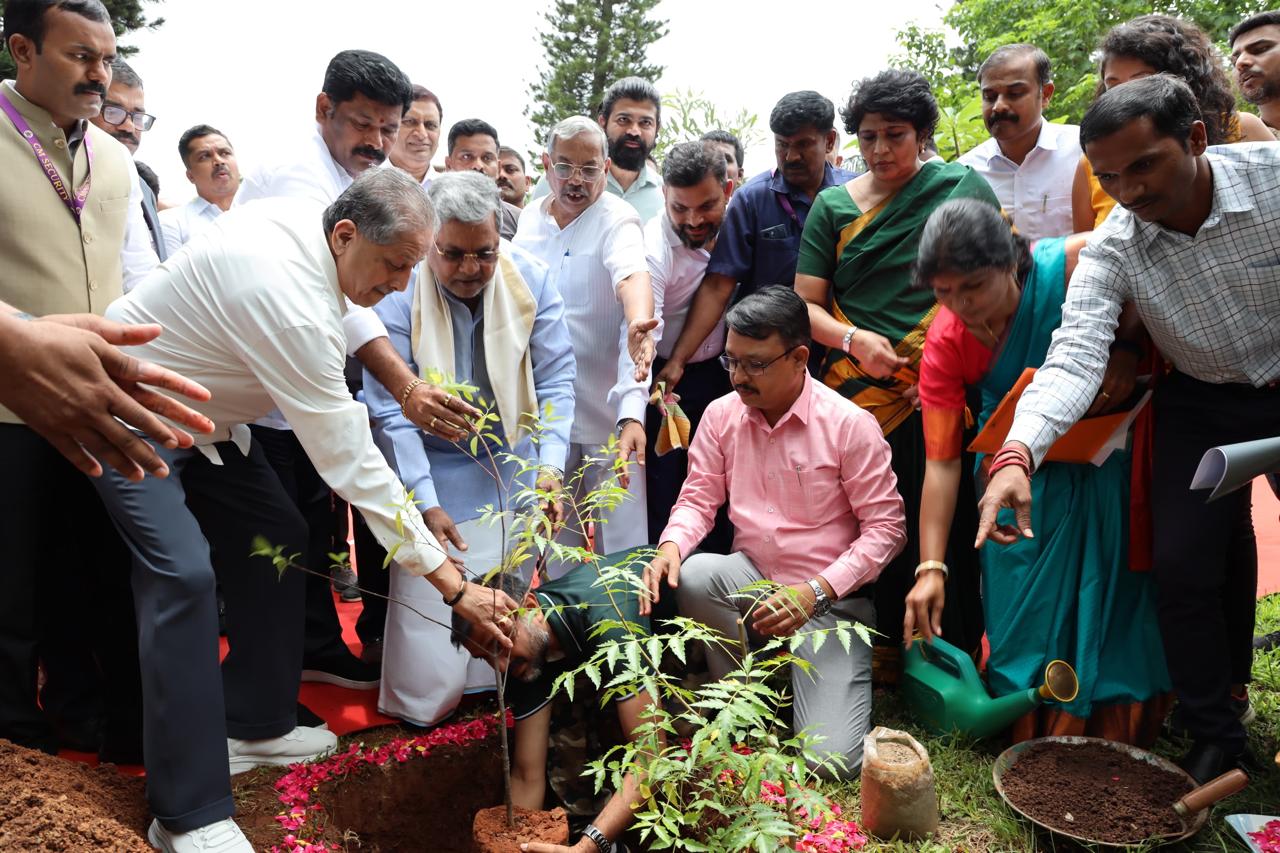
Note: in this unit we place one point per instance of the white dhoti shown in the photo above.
(423, 675)
(625, 526)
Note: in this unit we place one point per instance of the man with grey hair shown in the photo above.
(631, 116)
(253, 311)
(485, 313)
(593, 246)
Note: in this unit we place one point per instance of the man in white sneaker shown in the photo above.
(253, 310)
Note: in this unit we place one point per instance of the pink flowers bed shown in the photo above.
(304, 818)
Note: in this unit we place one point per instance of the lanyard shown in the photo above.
(785, 202)
(75, 203)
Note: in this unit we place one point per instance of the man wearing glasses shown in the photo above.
(485, 313)
(593, 245)
(816, 511)
(125, 117)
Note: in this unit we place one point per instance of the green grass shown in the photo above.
(976, 820)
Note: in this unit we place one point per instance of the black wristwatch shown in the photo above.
(602, 844)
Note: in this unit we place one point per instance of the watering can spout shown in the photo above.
(942, 687)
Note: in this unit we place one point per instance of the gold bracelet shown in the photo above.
(932, 564)
(404, 395)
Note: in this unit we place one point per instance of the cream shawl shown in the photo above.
(509, 311)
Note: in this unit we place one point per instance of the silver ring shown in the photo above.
(1105, 395)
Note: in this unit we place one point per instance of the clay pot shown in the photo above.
(491, 834)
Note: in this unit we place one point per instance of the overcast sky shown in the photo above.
(253, 67)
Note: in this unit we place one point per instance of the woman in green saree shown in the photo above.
(859, 243)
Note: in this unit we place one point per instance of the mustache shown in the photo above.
(124, 135)
(750, 389)
(369, 151)
(91, 89)
(503, 182)
(996, 118)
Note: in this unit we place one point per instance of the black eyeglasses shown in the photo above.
(114, 115)
(751, 368)
(454, 256)
(565, 171)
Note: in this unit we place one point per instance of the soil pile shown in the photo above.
(492, 835)
(1095, 792)
(49, 804)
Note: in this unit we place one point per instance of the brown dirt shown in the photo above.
(1095, 792)
(492, 835)
(50, 804)
(895, 753)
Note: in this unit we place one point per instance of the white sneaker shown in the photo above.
(301, 744)
(221, 837)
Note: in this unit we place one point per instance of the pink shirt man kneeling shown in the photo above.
(815, 507)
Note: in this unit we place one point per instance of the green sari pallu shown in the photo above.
(872, 283)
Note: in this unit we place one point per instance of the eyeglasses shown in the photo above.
(453, 256)
(751, 368)
(565, 171)
(114, 115)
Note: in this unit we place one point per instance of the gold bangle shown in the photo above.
(404, 395)
(932, 564)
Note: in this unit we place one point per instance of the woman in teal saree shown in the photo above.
(1068, 593)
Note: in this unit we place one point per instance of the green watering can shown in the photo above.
(942, 688)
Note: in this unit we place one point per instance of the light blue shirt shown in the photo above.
(421, 459)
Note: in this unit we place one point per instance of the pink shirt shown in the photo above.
(812, 495)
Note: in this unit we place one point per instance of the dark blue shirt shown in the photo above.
(759, 241)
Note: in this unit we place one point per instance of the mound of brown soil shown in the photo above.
(1095, 792)
(50, 804)
(492, 835)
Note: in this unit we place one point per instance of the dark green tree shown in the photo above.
(1068, 30)
(126, 16)
(588, 44)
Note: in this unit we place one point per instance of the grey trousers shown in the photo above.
(178, 529)
(834, 701)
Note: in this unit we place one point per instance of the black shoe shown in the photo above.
(343, 669)
(310, 719)
(79, 735)
(1206, 760)
(371, 653)
(1267, 642)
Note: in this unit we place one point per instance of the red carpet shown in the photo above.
(345, 710)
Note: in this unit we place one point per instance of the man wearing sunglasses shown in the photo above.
(815, 508)
(125, 117)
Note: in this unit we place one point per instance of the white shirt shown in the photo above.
(676, 271)
(311, 173)
(586, 261)
(137, 256)
(182, 223)
(1037, 194)
(1210, 302)
(253, 311)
